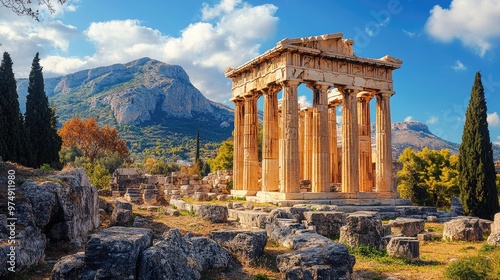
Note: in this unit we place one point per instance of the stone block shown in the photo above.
(404, 247)
(246, 245)
(463, 229)
(428, 236)
(326, 223)
(407, 226)
(213, 213)
(200, 196)
(361, 229)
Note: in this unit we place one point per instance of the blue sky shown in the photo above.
(442, 44)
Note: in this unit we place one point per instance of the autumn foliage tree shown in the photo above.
(92, 141)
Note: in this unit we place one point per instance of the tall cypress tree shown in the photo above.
(40, 120)
(11, 122)
(478, 192)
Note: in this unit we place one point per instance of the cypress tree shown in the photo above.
(41, 120)
(478, 192)
(11, 122)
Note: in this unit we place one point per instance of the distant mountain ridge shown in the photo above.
(150, 102)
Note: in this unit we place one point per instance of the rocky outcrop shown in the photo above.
(361, 229)
(63, 208)
(245, 245)
(463, 229)
(128, 253)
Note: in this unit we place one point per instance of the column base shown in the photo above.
(243, 193)
(270, 196)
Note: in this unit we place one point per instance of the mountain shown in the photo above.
(417, 136)
(152, 103)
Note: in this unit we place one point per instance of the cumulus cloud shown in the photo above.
(474, 23)
(458, 66)
(498, 141)
(303, 102)
(432, 120)
(229, 34)
(409, 119)
(493, 119)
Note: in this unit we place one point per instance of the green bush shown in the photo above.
(469, 268)
(261, 276)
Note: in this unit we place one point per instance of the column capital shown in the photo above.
(348, 90)
(273, 88)
(365, 94)
(319, 85)
(334, 103)
(289, 83)
(385, 94)
(237, 99)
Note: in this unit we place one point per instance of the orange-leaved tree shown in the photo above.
(93, 141)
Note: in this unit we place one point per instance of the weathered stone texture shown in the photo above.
(407, 226)
(463, 229)
(246, 245)
(361, 229)
(326, 223)
(404, 247)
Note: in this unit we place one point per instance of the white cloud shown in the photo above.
(493, 119)
(474, 23)
(409, 34)
(432, 120)
(458, 66)
(228, 35)
(409, 119)
(303, 102)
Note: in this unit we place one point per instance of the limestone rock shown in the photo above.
(246, 245)
(463, 229)
(122, 214)
(332, 261)
(456, 207)
(404, 247)
(361, 229)
(200, 196)
(494, 238)
(175, 257)
(213, 213)
(296, 213)
(69, 267)
(407, 226)
(113, 253)
(326, 223)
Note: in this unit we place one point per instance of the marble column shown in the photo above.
(383, 143)
(239, 120)
(320, 149)
(350, 141)
(332, 128)
(289, 141)
(250, 145)
(365, 143)
(307, 148)
(301, 143)
(270, 140)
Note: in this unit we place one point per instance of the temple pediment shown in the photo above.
(332, 43)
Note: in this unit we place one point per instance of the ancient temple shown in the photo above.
(300, 144)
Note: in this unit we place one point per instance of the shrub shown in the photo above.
(469, 268)
(261, 276)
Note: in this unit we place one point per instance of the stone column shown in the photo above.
(307, 165)
(383, 142)
(320, 148)
(289, 141)
(365, 143)
(350, 141)
(250, 145)
(270, 141)
(301, 143)
(332, 128)
(239, 120)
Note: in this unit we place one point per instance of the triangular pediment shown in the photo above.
(326, 43)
